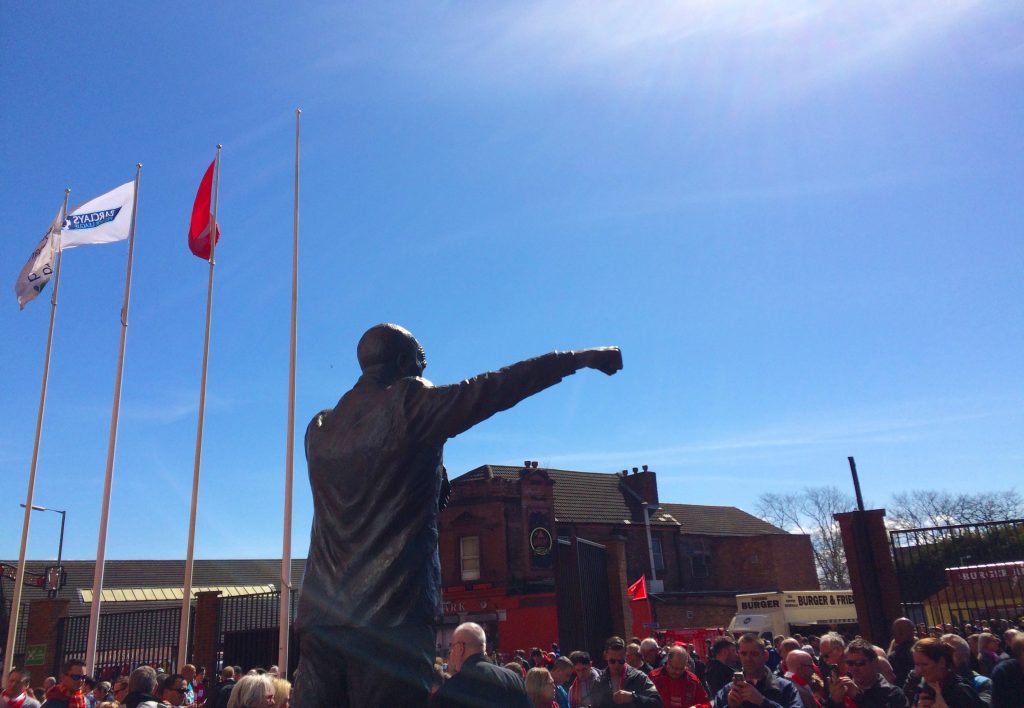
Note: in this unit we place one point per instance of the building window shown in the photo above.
(469, 553)
(659, 556)
(701, 565)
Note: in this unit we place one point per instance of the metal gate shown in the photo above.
(584, 602)
(248, 630)
(20, 636)
(126, 640)
(960, 574)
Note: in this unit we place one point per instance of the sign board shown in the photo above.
(35, 654)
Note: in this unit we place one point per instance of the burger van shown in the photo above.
(804, 611)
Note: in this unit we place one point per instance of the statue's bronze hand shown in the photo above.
(604, 359)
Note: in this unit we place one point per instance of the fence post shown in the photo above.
(205, 631)
(872, 572)
(44, 616)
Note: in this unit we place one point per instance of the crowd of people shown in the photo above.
(146, 687)
(943, 666)
(923, 667)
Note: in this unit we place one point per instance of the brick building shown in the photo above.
(544, 555)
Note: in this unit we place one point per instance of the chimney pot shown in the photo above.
(644, 467)
(635, 470)
(526, 463)
(535, 463)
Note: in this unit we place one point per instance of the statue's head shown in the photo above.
(390, 352)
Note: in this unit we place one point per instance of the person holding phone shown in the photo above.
(939, 685)
(865, 686)
(755, 685)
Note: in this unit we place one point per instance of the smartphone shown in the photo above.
(737, 677)
(833, 671)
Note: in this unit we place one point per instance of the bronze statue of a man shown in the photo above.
(372, 588)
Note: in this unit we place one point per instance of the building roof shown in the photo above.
(596, 497)
(159, 581)
(718, 520)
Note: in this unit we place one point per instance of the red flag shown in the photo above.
(638, 590)
(199, 229)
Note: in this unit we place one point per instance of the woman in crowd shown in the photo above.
(540, 688)
(988, 653)
(253, 691)
(938, 685)
(282, 693)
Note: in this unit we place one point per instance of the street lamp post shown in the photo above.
(60, 545)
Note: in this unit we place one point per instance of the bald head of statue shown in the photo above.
(389, 352)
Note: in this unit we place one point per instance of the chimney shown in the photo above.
(643, 484)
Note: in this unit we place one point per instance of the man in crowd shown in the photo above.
(621, 684)
(785, 646)
(677, 686)
(962, 657)
(560, 673)
(651, 653)
(833, 653)
(222, 693)
(635, 659)
(173, 690)
(475, 682)
(900, 657)
(800, 668)
(142, 687)
(581, 693)
(68, 693)
(372, 582)
(1008, 677)
(120, 689)
(759, 686)
(724, 661)
(188, 672)
(865, 686)
(18, 692)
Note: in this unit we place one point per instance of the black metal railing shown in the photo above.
(248, 630)
(22, 633)
(125, 640)
(961, 574)
(584, 603)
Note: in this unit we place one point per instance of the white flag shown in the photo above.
(105, 219)
(36, 273)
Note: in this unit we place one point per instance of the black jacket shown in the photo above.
(717, 675)
(221, 695)
(881, 694)
(644, 692)
(481, 684)
(776, 691)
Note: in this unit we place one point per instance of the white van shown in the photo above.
(800, 611)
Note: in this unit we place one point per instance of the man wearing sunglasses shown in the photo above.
(864, 686)
(621, 684)
(173, 690)
(68, 693)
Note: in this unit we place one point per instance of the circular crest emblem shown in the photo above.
(540, 541)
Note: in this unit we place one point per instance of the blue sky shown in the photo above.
(801, 221)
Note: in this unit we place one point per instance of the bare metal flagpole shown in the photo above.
(186, 595)
(284, 614)
(19, 579)
(101, 544)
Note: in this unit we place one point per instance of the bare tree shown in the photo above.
(921, 508)
(811, 512)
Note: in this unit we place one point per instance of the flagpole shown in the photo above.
(19, 579)
(101, 544)
(186, 594)
(284, 614)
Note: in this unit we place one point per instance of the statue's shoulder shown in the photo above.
(318, 421)
(414, 383)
